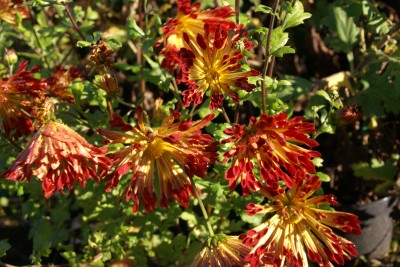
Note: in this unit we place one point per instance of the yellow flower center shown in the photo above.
(155, 149)
(212, 76)
(290, 215)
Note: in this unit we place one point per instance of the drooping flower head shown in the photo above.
(60, 80)
(19, 94)
(58, 156)
(191, 21)
(101, 58)
(171, 153)
(212, 64)
(273, 143)
(298, 228)
(222, 250)
(9, 10)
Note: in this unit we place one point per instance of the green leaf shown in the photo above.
(134, 31)
(324, 94)
(113, 44)
(283, 50)
(345, 29)
(377, 170)
(278, 39)
(83, 44)
(4, 246)
(296, 16)
(264, 9)
(323, 176)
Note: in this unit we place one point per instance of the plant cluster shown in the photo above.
(161, 135)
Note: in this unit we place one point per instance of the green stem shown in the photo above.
(225, 115)
(203, 209)
(267, 57)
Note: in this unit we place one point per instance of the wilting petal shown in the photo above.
(58, 156)
(222, 250)
(20, 94)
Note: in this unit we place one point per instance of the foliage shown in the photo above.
(119, 53)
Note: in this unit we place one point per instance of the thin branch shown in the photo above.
(71, 18)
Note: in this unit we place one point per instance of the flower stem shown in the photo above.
(268, 57)
(203, 209)
(225, 115)
(109, 107)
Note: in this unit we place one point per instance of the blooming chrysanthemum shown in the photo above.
(58, 156)
(59, 82)
(297, 228)
(9, 10)
(272, 142)
(212, 64)
(172, 153)
(222, 251)
(18, 95)
(191, 21)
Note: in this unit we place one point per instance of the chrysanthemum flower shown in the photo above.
(191, 21)
(297, 228)
(171, 153)
(222, 250)
(9, 10)
(18, 95)
(273, 143)
(58, 156)
(60, 80)
(212, 64)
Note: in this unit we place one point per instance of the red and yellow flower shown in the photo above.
(273, 143)
(9, 10)
(298, 228)
(171, 153)
(212, 64)
(222, 250)
(58, 156)
(19, 94)
(191, 21)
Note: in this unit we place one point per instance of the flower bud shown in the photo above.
(348, 114)
(11, 57)
(109, 84)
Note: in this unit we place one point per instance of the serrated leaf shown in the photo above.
(296, 16)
